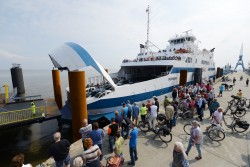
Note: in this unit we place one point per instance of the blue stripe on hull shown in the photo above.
(114, 102)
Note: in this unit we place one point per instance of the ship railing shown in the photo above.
(157, 58)
(22, 115)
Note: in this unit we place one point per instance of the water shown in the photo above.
(33, 140)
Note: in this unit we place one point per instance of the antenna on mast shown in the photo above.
(147, 43)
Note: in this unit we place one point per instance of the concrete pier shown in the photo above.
(233, 151)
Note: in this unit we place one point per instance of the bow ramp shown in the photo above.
(73, 57)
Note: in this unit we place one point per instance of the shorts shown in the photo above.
(66, 161)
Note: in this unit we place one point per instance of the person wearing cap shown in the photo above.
(132, 144)
(157, 103)
(135, 113)
(196, 139)
(166, 101)
(33, 108)
(213, 106)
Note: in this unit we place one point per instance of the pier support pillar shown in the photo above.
(57, 88)
(77, 87)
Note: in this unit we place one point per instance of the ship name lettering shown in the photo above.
(172, 78)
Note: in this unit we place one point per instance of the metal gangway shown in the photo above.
(10, 118)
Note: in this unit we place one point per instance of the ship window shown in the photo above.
(178, 40)
(205, 62)
(170, 50)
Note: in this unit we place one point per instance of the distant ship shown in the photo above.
(227, 69)
(151, 73)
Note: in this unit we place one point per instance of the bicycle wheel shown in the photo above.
(165, 137)
(144, 126)
(187, 128)
(239, 113)
(216, 135)
(238, 129)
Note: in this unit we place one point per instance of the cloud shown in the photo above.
(7, 55)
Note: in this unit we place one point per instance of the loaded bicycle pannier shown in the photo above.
(243, 124)
(166, 130)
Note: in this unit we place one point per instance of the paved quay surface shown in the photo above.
(233, 151)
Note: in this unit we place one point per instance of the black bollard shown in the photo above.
(17, 79)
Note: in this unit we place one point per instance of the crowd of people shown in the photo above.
(192, 98)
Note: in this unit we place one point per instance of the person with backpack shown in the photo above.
(112, 130)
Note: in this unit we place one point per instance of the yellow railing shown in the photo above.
(21, 115)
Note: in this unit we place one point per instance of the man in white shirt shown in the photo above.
(153, 115)
(217, 117)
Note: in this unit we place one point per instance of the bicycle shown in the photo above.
(215, 132)
(144, 125)
(237, 112)
(185, 111)
(237, 101)
(164, 133)
(237, 125)
(161, 130)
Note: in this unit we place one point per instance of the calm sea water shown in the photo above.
(33, 140)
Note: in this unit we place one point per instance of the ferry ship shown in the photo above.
(151, 73)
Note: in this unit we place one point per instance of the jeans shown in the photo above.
(198, 147)
(152, 119)
(66, 161)
(100, 147)
(127, 131)
(111, 143)
(133, 154)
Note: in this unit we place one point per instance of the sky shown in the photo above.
(112, 30)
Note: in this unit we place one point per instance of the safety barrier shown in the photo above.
(21, 115)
